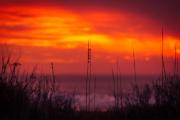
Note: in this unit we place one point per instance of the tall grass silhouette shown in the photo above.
(28, 95)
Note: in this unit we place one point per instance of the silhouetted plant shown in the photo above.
(25, 95)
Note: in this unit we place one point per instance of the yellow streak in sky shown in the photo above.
(66, 30)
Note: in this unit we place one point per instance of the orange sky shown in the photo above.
(47, 34)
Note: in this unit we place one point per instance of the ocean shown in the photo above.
(103, 95)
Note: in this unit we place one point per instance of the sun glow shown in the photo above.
(60, 28)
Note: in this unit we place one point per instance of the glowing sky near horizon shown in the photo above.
(59, 33)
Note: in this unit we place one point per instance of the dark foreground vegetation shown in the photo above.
(26, 96)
